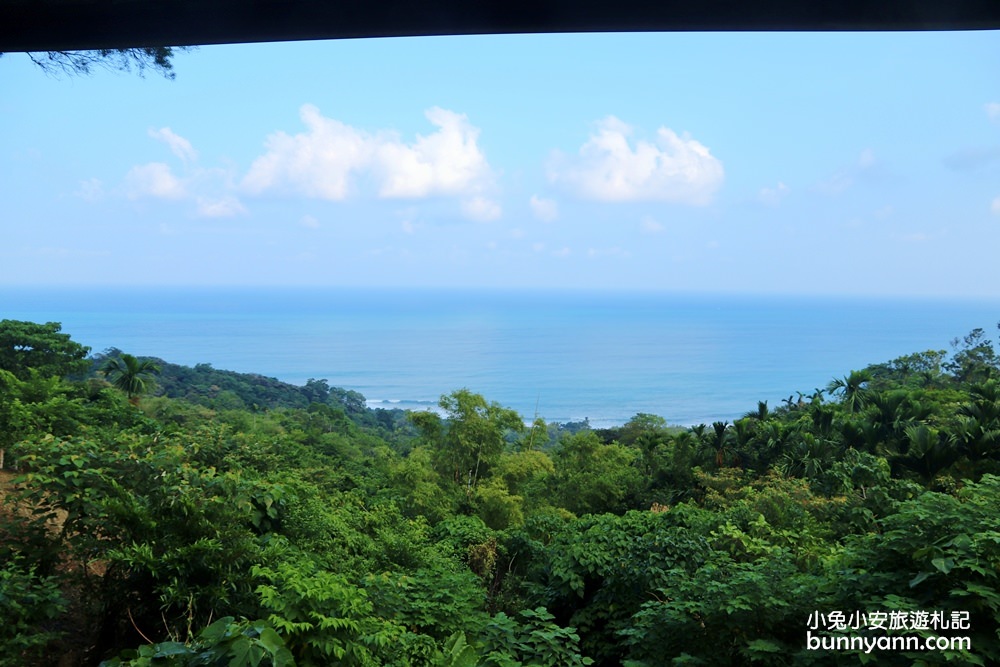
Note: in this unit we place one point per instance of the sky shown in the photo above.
(779, 163)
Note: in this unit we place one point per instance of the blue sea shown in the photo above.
(561, 355)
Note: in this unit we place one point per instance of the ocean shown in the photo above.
(561, 355)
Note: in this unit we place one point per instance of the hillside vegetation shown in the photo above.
(231, 519)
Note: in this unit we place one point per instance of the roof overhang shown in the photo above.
(63, 25)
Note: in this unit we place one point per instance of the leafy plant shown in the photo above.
(225, 643)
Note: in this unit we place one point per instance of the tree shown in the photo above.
(472, 439)
(27, 345)
(156, 58)
(592, 477)
(974, 359)
(853, 389)
(131, 375)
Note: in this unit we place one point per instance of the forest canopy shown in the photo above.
(206, 517)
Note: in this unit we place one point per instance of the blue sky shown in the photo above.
(861, 164)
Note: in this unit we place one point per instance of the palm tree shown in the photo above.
(719, 442)
(854, 389)
(928, 452)
(131, 375)
(760, 414)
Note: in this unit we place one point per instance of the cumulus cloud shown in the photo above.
(210, 191)
(179, 146)
(481, 209)
(330, 158)
(224, 207)
(207, 189)
(153, 180)
(91, 190)
(316, 163)
(545, 210)
(648, 225)
(674, 168)
(447, 162)
(773, 196)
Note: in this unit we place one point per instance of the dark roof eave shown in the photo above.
(64, 25)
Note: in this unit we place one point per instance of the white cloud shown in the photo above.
(447, 162)
(562, 252)
(773, 196)
(153, 180)
(180, 146)
(225, 207)
(481, 209)
(674, 169)
(648, 225)
(91, 190)
(316, 163)
(545, 210)
(538, 247)
(209, 190)
(329, 159)
(309, 222)
(995, 206)
(993, 111)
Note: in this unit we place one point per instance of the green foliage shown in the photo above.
(457, 653)
(921, 369)
(853, 389)
(30, 604)
(593, 477)
(974, 359)
(173, 538)
(726, 612)
(465, 540)
(225, 643)
(37, 404)
(324, 618)
(436, 602)
(26, 345)
(937, 552)
(497, 506)
(472, 439)
(597, 571)
(531, 639)
(421, 490)
(130, 375)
